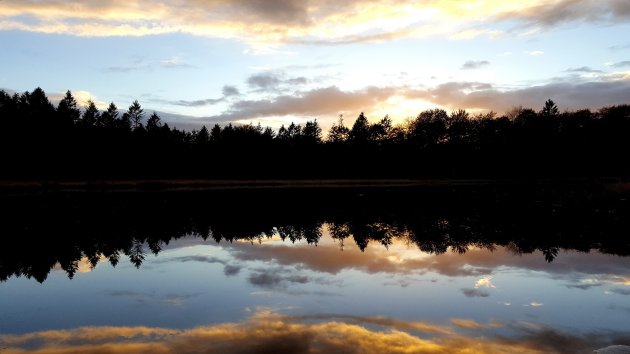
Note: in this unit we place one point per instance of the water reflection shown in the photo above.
(61, 229)
(268, 332)
(315, 271)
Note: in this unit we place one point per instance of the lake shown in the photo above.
(492, 268)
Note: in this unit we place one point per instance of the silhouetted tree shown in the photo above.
(550, 109)
(91, 115)
(312, 133)
(215, 133)
(202, 136)
(294, 131)
(154, 123)
(360, 132)
(338, 133)
(283, 134)
(135, 114)
(49, 143)
(429, 128)
(108, 118)
(383, 130)
(269, 134)
(67, 109)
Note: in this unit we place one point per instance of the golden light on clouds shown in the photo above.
(290, 20)
(268, 332)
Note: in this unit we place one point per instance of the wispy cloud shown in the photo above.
(619, 47)
(621, 64)
(534, 53)
(144, 65)
(472, 64)
(175, 62)
(228, 92)
(620, 291)
(274, 81)
(475, 292)
(583, 69)
(128, 68)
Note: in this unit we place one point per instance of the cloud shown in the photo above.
(260, 22)
(470, 324)
(229, 91)
(128, 68)
(583, 69)
(603, 90)
(621, 64)
(619, 47)
(195, 103)
(382, 321)
(598, 280)
(475, 292)
(471, 64)
(228, 268)
(271, 279)
(272, 81)
(267, 332)
(485, 282)
(613, 307)
(175, 62)
(572, 268)
(263, 81)
(583, 286)
(534, 53)
(141, 298)
(322, 101)
(195, 258)
(231, 270)
(82, 97)
(552, 13)
(143, 65)
(620, 291)
(568, 95)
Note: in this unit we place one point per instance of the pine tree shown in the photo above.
(360, 131)
(91, 115)
(154, 123)
(109, 117)
(67, 109)
(550, 109)
(135, 113)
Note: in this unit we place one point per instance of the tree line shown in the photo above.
(40, 140)
(44, 230)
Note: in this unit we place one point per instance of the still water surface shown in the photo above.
(429, 282)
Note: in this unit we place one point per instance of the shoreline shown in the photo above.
(618, 184)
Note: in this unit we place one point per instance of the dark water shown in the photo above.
(484, 269)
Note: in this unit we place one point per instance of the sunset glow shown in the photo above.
(296, 60)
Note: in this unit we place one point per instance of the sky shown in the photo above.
(280, 61)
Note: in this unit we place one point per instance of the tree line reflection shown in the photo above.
(41, 232)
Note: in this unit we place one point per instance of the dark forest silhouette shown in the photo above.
(42, 230)
(40, 141)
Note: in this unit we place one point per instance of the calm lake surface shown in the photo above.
(423, 270)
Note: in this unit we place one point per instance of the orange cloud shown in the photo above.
(267, 332)
(261, 22)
